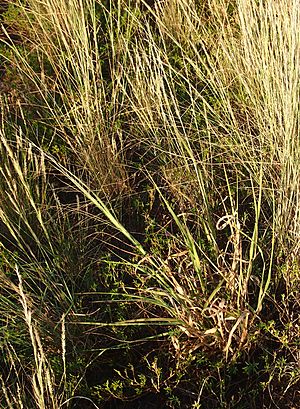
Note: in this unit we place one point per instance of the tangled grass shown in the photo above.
(149, 204)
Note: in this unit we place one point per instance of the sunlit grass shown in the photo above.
(184, 116)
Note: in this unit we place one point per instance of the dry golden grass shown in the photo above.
(204, 103)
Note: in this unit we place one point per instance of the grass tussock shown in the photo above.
(149, 204)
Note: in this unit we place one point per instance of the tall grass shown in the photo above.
(43, 391)
(193, 107)
(82, 102)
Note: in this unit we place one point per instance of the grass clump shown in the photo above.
(149, 205)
